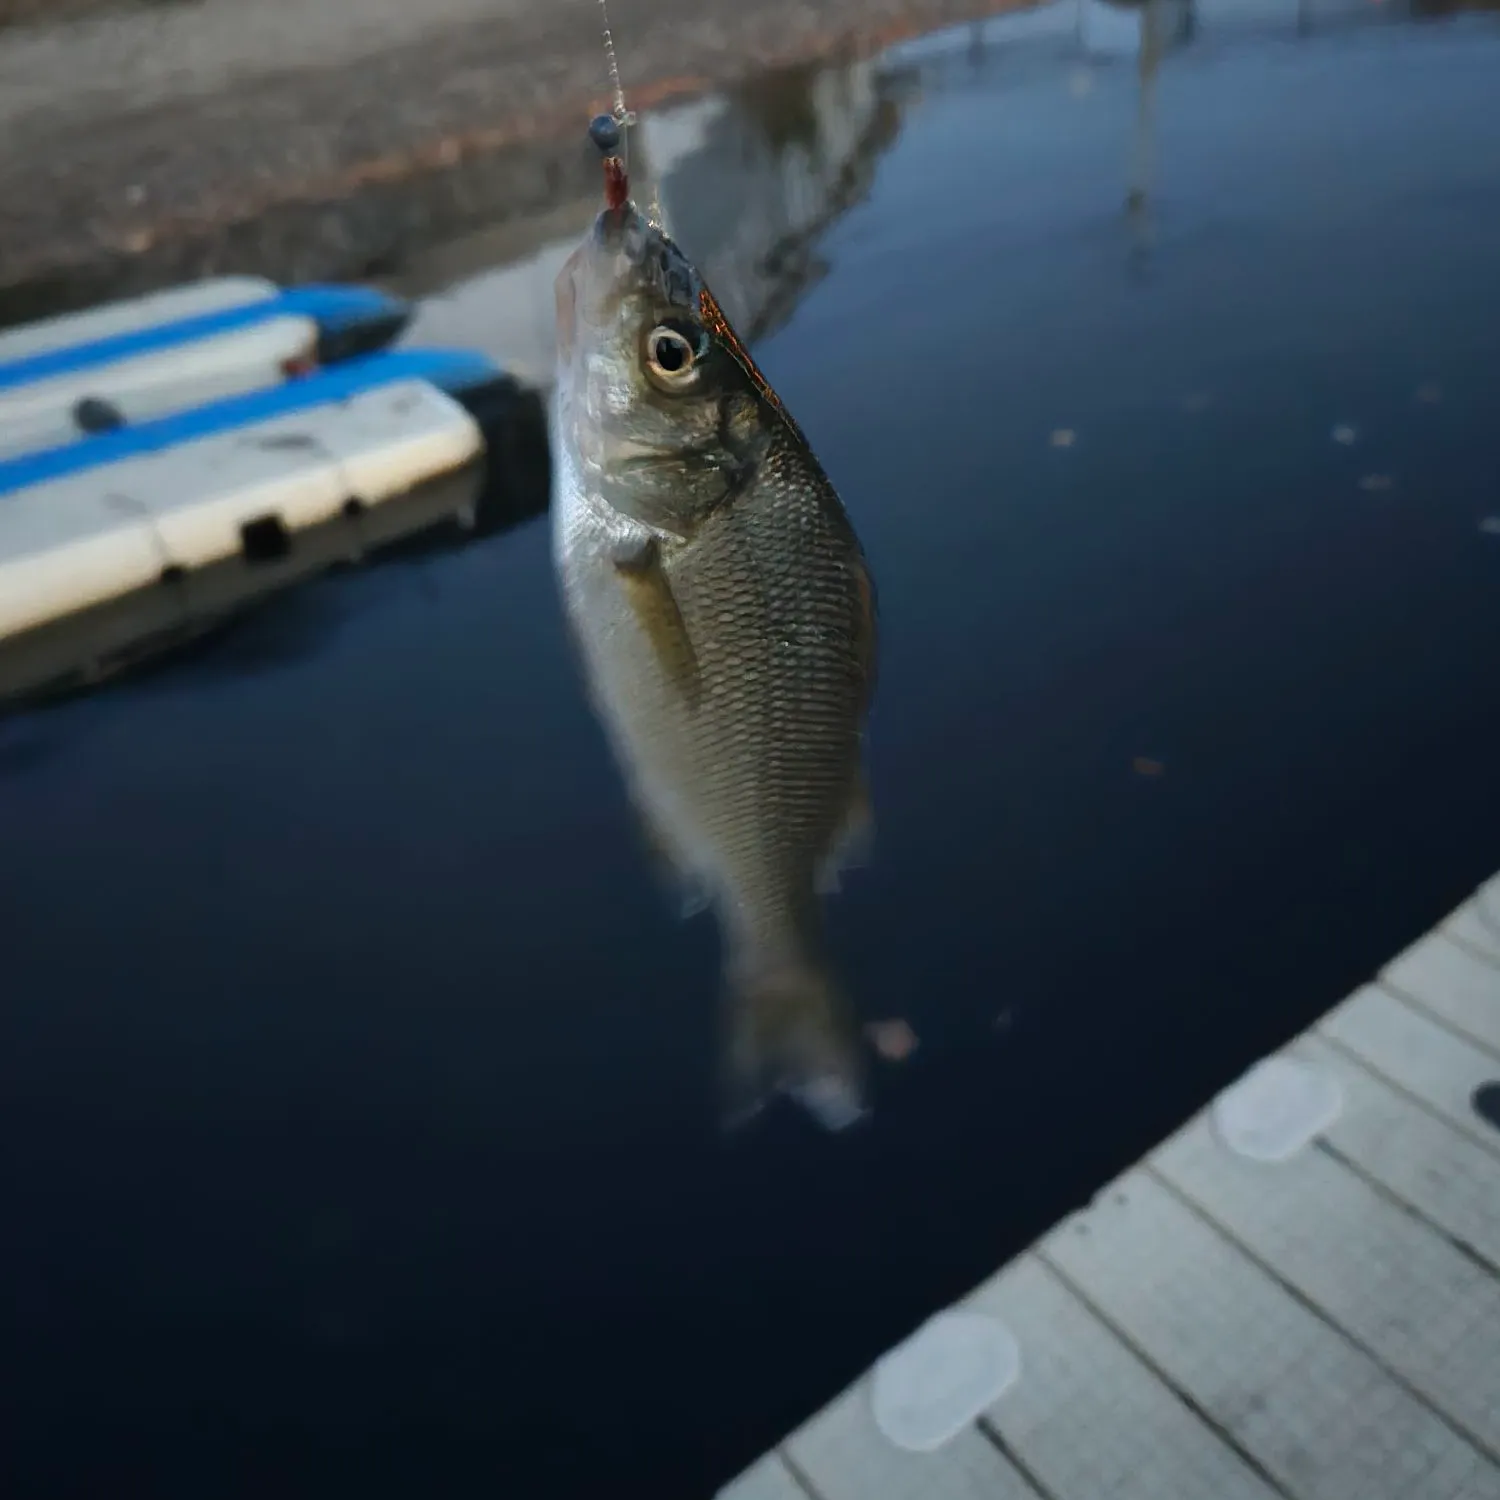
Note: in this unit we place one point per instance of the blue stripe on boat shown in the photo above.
(330, 307)
(453, 371)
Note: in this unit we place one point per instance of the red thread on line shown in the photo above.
(616, 183)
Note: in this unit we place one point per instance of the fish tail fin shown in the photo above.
(789, 1029)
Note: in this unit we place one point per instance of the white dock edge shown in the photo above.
(1295, 1297)
(195, 299)
(79, 541)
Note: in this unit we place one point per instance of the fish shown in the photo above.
(725, 619)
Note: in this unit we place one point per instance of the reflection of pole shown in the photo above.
(1143, 155)
(1304, 17)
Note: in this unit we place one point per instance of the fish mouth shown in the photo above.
(611, 226)
(625, 254)
(592, 283)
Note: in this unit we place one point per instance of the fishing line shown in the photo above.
(623, 117)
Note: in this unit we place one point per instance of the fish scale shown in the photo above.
(788, 822)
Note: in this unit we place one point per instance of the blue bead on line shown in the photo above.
(604, 132)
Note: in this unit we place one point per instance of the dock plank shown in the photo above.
(1411, 1050)
(1088, 1418)
(1487, 901)
(1471, 927)
(1325, 1326)
(767, 1479)
(844, 1456)
(1456, 985)
(1422, 1308)
(1443, 1174)
(1316, 1412)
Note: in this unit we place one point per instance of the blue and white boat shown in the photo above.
(167, 460)
(136, 359)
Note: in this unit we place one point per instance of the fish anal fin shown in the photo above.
(684, 887)
(648, 591)
(852, 841)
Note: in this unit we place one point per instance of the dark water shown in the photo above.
(357, 1087)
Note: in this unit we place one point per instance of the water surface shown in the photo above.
(357, 1083)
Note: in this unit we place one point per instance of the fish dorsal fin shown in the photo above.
(712, 317)
(685, 888)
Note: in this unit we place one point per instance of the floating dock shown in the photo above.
(1295, 1297)
(166, 461)
(141, 358)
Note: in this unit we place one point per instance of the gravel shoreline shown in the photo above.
(165, 141)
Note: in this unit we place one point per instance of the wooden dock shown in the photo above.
(1318, 1319)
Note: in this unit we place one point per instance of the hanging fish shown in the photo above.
(725, 619)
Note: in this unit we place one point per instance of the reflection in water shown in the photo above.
(746, 182)
(1163, 24)
(1147, 32)
(1159, 27)
(784, 109)
(754, 179)
(287, 628)
(726, 623)
(750, 183)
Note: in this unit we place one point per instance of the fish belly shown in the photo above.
(659, 749)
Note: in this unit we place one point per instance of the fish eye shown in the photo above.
(672, 354)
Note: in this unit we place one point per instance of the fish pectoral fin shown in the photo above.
(853, 840)
(648, 591)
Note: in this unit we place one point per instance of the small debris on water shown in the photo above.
(1376, 483)
(1197, 401)
(1490, 526)
(1005, 1020)
(1345, 434)
(1145, 765)
(1080, 82)
(894, 1040)
(1063, 437)
(1429, 393)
